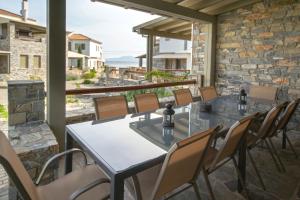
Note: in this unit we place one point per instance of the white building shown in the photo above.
(84, 52)
(173, 54)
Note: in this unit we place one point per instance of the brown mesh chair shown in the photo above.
(262, 135)
(216, 158)
(263, 92)
(80, 184)
(284, 120)
(146, 102)
(208, 93)
(183, 97)
(178, 172)
(110, 107)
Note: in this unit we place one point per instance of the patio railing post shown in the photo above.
(56, 73)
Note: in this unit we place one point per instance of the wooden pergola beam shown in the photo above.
(173, 24)
(165, 9)
(181, 29)
(164, 34)
(232, 6)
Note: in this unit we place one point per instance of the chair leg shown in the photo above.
(273, 157)
(211, 193)
(277, 155)
(256, 170)
(196, 189)
(290, 144)
(240, 177)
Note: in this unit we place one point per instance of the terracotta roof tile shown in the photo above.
(76, 36)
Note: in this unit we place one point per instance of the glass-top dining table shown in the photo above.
(127, 145)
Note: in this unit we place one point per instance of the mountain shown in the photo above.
(129, 59)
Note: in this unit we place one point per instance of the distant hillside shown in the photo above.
(127, 59)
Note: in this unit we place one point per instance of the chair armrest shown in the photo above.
(57, 156)
(80, 191)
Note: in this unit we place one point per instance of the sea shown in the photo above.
(122, 64)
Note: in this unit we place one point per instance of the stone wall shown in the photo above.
(30, 48)
(26, 102)
(260, 45)
(256, 45)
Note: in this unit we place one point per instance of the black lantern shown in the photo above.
(242, 108)
(243, 96)
(168, 120)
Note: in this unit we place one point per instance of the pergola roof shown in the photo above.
(166, 27)
(180, 14)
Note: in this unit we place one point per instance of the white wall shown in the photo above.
(168, 45)
(86, 51)
(95, 50)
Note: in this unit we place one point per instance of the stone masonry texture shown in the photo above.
(256, 45)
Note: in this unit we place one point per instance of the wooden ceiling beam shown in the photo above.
(181, 28)
(164, 34)
(233, 6)
(168, 26)
(163, 8)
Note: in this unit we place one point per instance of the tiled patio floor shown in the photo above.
(280, 186)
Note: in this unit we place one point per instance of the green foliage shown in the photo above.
(87, 82)
(3, 112)
(71, 99)
(161, 92)
(159, 74)
(90, 74)
(77, 85)
(72, 78)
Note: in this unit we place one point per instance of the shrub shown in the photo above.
(87, 81)
(89, 75)
(3, 112)
(71, 99)
(72, 77)
(161, 92)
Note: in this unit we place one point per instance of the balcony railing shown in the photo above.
(129, 88)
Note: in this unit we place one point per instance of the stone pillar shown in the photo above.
(28, 133)
(26, 102)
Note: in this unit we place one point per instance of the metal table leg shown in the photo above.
(242, 164)
(69, 157)
(284, 138)
(117, 188)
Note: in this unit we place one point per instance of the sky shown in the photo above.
(109, 24)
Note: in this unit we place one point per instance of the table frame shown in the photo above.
(117, 178)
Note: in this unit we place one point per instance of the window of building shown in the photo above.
(36, 61)
(79, 45)
(23, 61)
(185, 44)
(3, 31)
(69, 46)
(4, 63)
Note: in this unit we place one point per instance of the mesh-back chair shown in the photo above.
(80, 184)
(267, 129)
(263, 92)
(284, 120)
(183, 97)
(215, 158)
(208, 93)
(146, 102)
(110, 107)
(179, 170)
